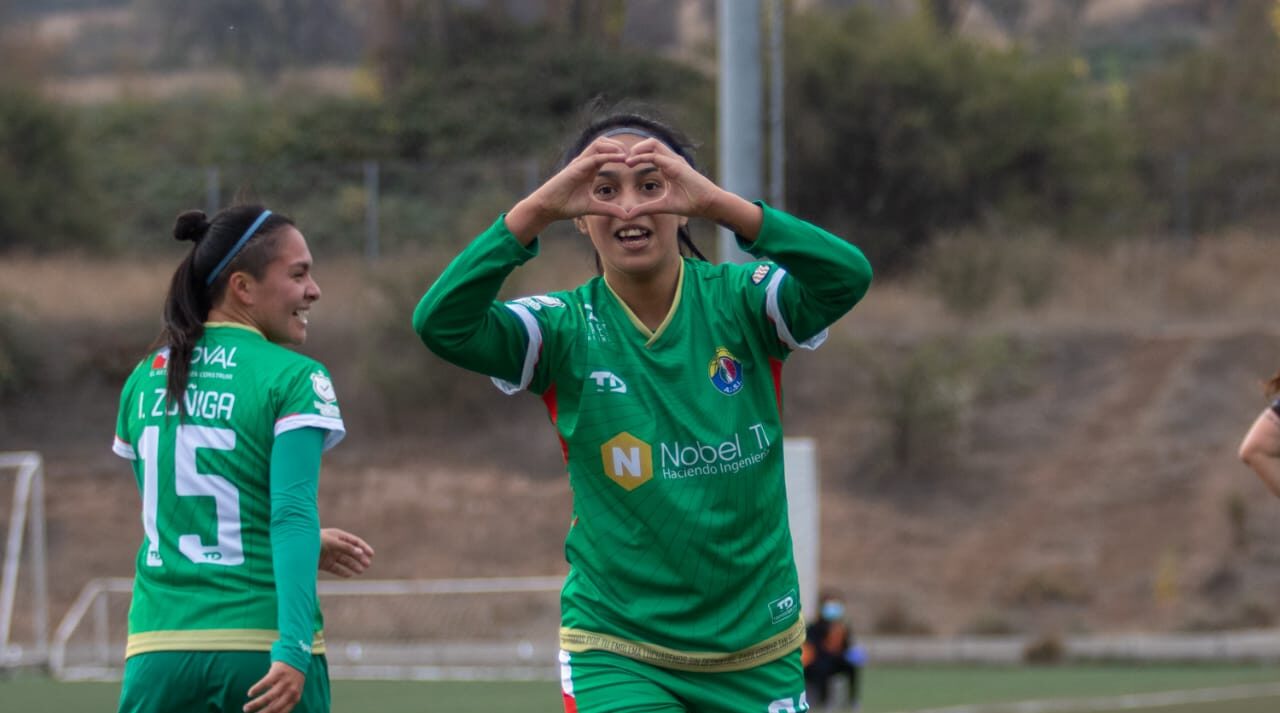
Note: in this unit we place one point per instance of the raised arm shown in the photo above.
(459, 318)
(825, 275)
(828, 274)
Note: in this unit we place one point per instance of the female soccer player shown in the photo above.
(225, 428)
(1261, 447)
(662, 379)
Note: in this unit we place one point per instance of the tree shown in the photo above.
(947, 14)
(900, 133)
(502, 88)
(1209, 139)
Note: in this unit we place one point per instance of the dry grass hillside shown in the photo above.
(1058, 457)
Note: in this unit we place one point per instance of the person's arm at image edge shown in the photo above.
(1260, 449)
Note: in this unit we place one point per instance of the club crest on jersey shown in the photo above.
(726, 372)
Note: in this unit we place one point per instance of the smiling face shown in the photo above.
(278, 304)
(640, 247)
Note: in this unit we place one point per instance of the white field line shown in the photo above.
(1129, 701)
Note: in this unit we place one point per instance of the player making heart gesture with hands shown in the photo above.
(662, 378)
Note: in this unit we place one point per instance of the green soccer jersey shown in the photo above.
(680, 552)
(204, 573)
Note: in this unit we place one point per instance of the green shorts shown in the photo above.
(212, 681)
(603, 682)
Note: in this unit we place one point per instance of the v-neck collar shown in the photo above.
(651, 335)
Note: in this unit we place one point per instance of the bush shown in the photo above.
(925, 395)
(46, 201)
(992, 623)
(1050, 586)
(966, 272)
(19, 354)
(1044, 649)
(896, 620)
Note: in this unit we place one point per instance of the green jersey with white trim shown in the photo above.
(680, 552)
(204, 575)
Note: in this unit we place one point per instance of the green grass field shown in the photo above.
(886, 689)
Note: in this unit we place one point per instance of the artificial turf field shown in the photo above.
(885, 689)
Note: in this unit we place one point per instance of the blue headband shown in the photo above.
(631, 130)
(635, 131)
(235, 249)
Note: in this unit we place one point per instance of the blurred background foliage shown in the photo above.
(900, 128)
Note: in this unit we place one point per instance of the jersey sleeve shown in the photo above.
(461, 320)
(547, 320)
(295, 541)
(809, 280)
(123, 445)
(307, 399)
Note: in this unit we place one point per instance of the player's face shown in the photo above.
(282, 298)
(640, 246)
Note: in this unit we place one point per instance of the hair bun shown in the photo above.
(191, 225)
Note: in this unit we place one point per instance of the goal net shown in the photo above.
(24, 597)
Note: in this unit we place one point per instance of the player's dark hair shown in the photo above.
(1272, 385)
(601, 121)
(191, 295)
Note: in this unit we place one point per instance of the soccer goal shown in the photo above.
(24, 645)
(491, 628)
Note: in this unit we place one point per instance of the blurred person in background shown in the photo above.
(1261, 447)
(662, 378)
(225, 428)
(831, 650)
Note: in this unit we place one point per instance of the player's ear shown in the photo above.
(581, 224)
(240, 287)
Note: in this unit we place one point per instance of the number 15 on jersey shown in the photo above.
(228, 550)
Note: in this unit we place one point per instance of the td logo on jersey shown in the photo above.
(628, 461)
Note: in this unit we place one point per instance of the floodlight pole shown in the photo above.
(739, 109)
(777, 151)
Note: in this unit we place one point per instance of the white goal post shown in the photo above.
(26, 526)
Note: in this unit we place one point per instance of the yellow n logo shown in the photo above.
(627, 460)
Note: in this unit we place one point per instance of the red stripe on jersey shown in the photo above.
(570, 703)
(549, 399)
(775, 368)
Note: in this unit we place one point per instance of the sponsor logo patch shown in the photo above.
(761, 272)
(607, 381)
(537, 302)
(327, 410)
(628, 461)
(784, 606)
(323, 386)
(725, 371)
